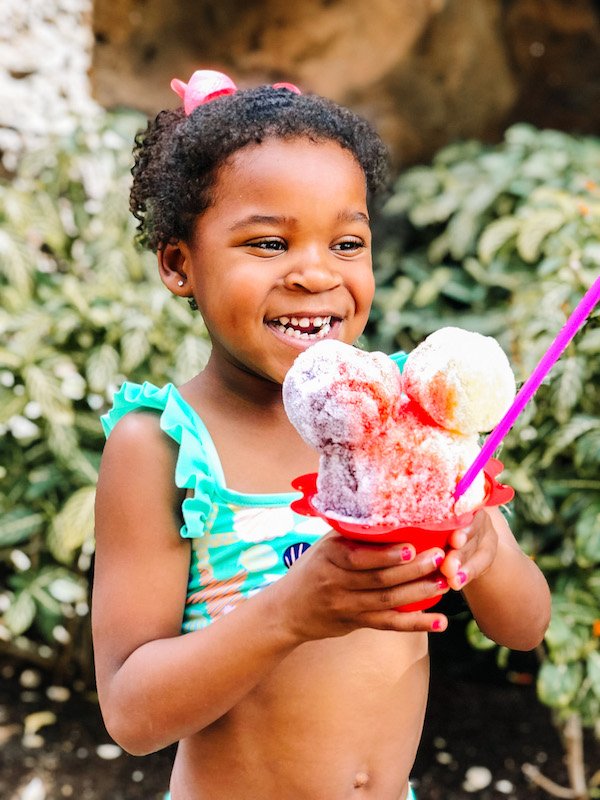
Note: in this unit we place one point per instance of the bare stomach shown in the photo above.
(337, 719)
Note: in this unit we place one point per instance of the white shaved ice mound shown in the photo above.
(337, 394)
(393, 447)
(461, 378)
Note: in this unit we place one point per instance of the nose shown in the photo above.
(312, 273)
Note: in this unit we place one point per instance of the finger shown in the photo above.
(357, 556)
(458, 538)
(454, 569)
(411, 621)
(405, 594)
(422, 565)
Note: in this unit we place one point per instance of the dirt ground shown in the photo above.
(482, 725)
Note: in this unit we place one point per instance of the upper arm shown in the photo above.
(141, 565)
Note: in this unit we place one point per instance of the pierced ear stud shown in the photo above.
(180, 283)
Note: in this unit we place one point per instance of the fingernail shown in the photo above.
(437, 560)
(436, 625)
(462, 577)
(441, 583)
(406, 554)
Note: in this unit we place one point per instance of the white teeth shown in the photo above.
(322, 323)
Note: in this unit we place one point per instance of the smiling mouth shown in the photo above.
(303, 327)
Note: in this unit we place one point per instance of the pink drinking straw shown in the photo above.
(525, 393)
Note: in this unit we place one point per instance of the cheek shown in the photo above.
(365, 291)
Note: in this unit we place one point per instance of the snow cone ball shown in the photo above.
(422, 463)
(462, 379)
(335, 394)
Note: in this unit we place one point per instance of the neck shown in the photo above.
(234, 387)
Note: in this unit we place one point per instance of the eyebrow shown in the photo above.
(353, 216)
(268, 219)
(261, 219)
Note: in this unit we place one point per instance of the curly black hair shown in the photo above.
(177, 156)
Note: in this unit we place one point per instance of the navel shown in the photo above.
(361, 779)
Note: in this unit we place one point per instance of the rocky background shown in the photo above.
(425, 71)
(45, 59)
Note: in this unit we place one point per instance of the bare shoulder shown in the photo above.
(141, 565)
(138, 462)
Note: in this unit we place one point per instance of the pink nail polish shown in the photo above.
(436, 625)
(406, 554)
(437, 560)
(462, 577)
(441, 583)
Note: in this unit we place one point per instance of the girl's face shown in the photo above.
(282, 258)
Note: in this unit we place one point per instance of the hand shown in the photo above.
(340, 585)
(472, 550)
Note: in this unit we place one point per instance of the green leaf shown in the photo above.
(567, 642)
(534, 229)
(18, 526)
(20, 614)
(593, 671)
(73, 525)
(435, 209)
(477, 639)
(587, 450)
(558, 684)
(567, 386)
(44, 389)
(65, 588)
(15, 266)
(102, 368)
(590, 342)
(190, 358)
(587, 537)
(496, 235)
(430, 289)
(462, 230)
(566, 435)
(135, 347)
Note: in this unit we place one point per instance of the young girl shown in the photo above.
(262, 642)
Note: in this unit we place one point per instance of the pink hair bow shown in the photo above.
(207, 84)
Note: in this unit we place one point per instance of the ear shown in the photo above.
(173, 266)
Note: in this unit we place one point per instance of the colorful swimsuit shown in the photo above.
(240, 542)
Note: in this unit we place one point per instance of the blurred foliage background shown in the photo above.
(81, 308)
(503, 239)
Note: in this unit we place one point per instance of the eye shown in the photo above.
(350, 245)
(268, 245)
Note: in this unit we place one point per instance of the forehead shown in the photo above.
(301, 163)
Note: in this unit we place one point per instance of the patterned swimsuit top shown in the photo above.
(240, 542)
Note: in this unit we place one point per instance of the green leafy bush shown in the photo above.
(505, 240)
(80, 309)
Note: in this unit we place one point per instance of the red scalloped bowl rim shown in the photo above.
(496, 494)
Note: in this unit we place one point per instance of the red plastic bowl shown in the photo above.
(422, 537)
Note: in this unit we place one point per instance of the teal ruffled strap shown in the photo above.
(399, 359)
(193, 469)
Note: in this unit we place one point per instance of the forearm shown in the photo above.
(169, 689)
(511, 600)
